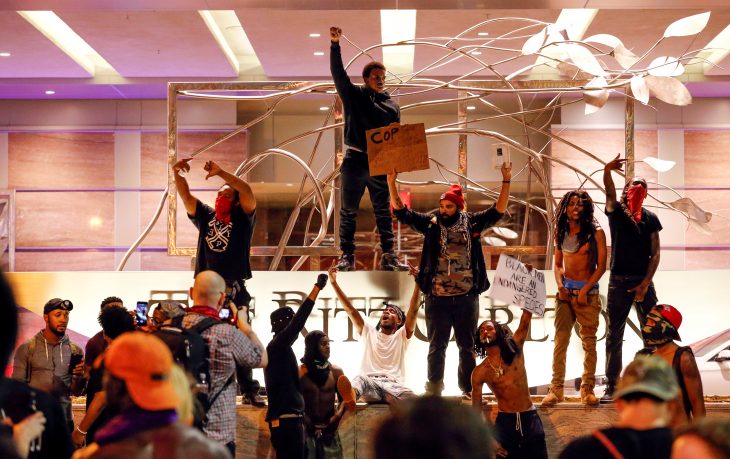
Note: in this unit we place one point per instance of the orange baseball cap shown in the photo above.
(144, 363)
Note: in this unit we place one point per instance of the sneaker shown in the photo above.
(433, 388)
(608, 395)
(587, 397)
(390, 262)
(466, 396)
(254, 399)
(346, 262)
(553, 397)
(344, 387)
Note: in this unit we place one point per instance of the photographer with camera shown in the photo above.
(228, 347)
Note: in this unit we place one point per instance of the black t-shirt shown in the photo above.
(631, 242)
(632, 444)
(224, 248)
(94, 348)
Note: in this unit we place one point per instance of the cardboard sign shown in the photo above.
(514, 284)
(397, 147)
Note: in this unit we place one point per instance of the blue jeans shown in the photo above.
(443, 313)
(619, 305)
(355, 177)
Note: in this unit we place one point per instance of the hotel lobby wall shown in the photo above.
(696, 137)
(98, 144)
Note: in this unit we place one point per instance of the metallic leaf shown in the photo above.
(625, 57)
(693, 211)
(669, 90)
(691, 25)
(604, 39)
(659, 165)
(666, 66)
(639, 89)
(534, 43)
(583, 58)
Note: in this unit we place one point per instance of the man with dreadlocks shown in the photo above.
(580, 261)
(660, 331)
(518, 427)
(382, 372)
(452, 274)
(634, 260)
(320, 381)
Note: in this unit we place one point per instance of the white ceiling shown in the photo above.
(150, 42)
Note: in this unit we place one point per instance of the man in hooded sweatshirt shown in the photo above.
(452, 274)
(49, 361)
(224, 242)
(634, 260)
(285, 413)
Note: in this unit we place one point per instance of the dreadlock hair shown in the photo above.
(398, 310)
(110, 299)
(508, 349)
(588, 224)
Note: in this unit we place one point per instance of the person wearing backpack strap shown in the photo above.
(45, 360)
(641, 431)
(228, 347)
(285, 414)
(660, 330)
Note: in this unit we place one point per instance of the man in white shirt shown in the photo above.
(382, 373)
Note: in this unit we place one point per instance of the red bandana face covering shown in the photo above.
(223, 206)
(635, 195)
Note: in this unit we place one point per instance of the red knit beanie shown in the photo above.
(454, 195)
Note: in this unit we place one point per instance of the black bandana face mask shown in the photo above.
(657, 330)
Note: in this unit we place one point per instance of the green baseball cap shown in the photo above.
(648, 374)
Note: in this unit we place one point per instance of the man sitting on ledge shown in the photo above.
(382, 373)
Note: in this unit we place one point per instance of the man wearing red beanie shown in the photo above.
(452, 274)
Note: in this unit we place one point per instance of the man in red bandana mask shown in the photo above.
(224, 241)
(634, 260)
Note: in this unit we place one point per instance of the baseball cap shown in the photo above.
(672, 316)
(648, 374)
(57, 303)
(144, 363)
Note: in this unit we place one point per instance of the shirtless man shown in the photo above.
(319, 383)
(580, 261)
(518, 427)
(660, 330)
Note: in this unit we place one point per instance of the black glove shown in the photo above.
(321, 281)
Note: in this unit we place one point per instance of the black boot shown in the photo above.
(346, 262)
(608, 395)
(390, 262)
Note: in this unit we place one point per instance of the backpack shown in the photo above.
(190, 350)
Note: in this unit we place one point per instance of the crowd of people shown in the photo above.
(168, 389)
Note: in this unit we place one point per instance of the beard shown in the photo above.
(449, 220)
(490, 343)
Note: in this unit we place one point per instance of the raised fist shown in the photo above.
(321, 281)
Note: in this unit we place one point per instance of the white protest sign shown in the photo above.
(515, 284)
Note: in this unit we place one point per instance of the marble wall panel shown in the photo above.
(64, 261)
(61, 160)
(605, 144)
(64, 219)
(228, 155)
